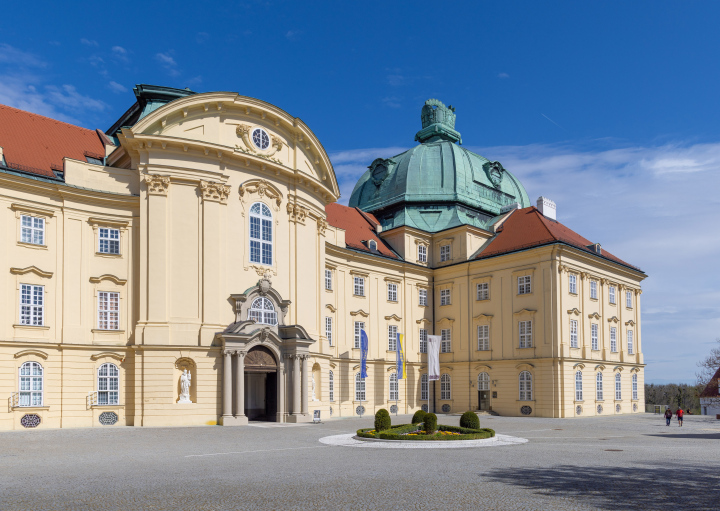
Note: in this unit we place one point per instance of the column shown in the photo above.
(240, 385)
(296, 385)
(304, 385)
(227, 385)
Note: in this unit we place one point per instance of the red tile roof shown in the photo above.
(34, 143)
(712, 388)
(527, 228)
(359, 226)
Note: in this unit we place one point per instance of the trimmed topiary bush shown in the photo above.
(430, 423)
(470, 420)
(382, 420)
(418, 417)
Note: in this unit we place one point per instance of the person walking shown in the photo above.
(679, 414)
(668, 416)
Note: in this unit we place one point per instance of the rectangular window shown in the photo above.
(613, 339)
(578, 387)
(483, 335)
(573, 333)
(483, 291)
(599, 386)
(444, 297)
(423, 340)
(32, 304)
(593, 289)
(572, 284)
(32, 230)
(524, 287)
(392, 292)
(628, 299)
(108, 311)
(634, 387)
(618, 388)
(109, 241)
(359, 286)
(444, 253)
(525, 331)
(631, 348)
(423, 297)
(328, 329)
(394, 394)
(422, 253)
(445, 341)
(424, 388)
(594, 336)
(392, 337)
(611, 294)
(328, 280)
(359, 325)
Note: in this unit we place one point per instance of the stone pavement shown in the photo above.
(611, 463)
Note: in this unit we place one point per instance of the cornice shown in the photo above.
(31, 269)
(111, 278)
(360, 312)
(394, 317)
(31, 351)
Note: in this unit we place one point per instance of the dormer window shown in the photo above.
(372, 245)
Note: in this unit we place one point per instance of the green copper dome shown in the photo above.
(437, 184)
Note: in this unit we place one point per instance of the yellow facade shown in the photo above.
(179, 190)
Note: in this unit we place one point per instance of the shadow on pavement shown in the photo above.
(694, 436)
(622, 488)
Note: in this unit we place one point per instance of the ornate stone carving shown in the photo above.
(244, 132)
(263, 189)
(212, 191)
(321, 226)
(495, 172)
(297, 213)
(156, 185)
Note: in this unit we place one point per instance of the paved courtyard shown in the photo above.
(618, 463)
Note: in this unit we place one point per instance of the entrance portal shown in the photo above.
(484, 400)
(261, 386)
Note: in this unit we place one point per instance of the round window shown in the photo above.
(578, 410)
(108, 418)
(599, 409)
(635, 407)
(393, 409)
(30, 420)
(260, 138)
(617, 408)
(424, 408)
(446, 408)
(360, 410)
(525, 410)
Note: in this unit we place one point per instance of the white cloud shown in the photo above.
(392, 102)
(654, 207)
(503, 75)
(120, 54)
(292, 35)
(168, 63)
(201, 37)
(11, 55)
(88, 42)
(117, 87)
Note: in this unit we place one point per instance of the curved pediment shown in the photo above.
(263, 289)
(239, 131)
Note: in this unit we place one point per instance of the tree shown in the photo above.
(708, 367)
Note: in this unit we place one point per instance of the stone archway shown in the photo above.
(261, 384)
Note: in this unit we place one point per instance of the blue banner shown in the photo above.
(364, 351)
(401, 365)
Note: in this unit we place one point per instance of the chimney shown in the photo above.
(546, 207)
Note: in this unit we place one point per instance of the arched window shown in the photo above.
(525, 384)
(483, 381)
(108, 384)
(261, 234)
(359, 388)
(445, 387)
(262, 311)
(599, 387)
(31, 384)
(331, 386)
(578, 386)
(634, 386)
(618, 387)
(394, 393)
(424, 388)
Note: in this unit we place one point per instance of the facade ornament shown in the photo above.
(562, 268)
(185, 381)
(321, 226)
(264, 284)
(495, 172)
(244, 131)
(297, 213)
(157, 185)
(212, 191)
(263, 189)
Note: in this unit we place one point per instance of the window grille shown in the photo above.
(328, 329)
(445, 387)
(263, 311)
(261, 235)
(483, 335)
(483, 381)
(32, 230)
(108, 311)
(483, 291)
(423, 297)
(32, 305)
(634, 386)
(444, 253)
(524, 285)
(444, 297)
(525, 385)
(573, 333)
(108, 384)
(611, 295)
(331, 386)
(572, 284)
(525, 333)
(631, 348)
(392, 292)
(359, 286)
(422, 253)
(593, 289)
(109, 241)
(618, 387)
(359, 326)
(628, 299)
(394, 393)
(328, 280)
(359, 388)
(424, 387)
(578, 386)
(392, 337)
(599, 387)
(31, 384)
(594, 336)
(423, 340)
(445, 341)
(613, 339)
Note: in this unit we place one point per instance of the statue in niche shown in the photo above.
(314, 398)
(185, 380)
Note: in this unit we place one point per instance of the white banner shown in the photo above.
(434, 357)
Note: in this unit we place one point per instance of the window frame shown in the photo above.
(358, 285)
(599, 386)
(611, 295)
(525, 339)
(445, 252)
(613, 340)
(392, 292)
(628, 299)
(574, 333)
(594, 340)
(110, 241)
(423, 340)
(445, 297)
(423, 297)
(524, 285)
(360, 388)
(593, 290)
(262, 314)
(445, 387)
(578, 386)
(108, 379)
(618, 387)
(424, 388)
(32, 230)
(31, 378)
(634, 387)
(393, 387)
(328, 280)
(572, 284)
(483, 341)
(358, 327)
(630, 342)
(329, 329)
(34, 309)
(331, 386)
(483, 383)
(525, 386)
(392, 337)
(104, 308)
(482, 291)
(446, 340)
(422, 253)
(265, 221)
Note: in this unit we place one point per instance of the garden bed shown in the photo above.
(410, 432)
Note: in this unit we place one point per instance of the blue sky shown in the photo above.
(609, 108)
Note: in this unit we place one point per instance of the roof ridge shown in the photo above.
(543, 221)
(46, 117)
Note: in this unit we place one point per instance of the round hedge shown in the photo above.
(430, 423)
(470, 420)
(382, 420)
(419, 417)
(401, 433)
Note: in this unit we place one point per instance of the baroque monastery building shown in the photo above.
(191, 265)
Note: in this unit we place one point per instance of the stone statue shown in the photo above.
(185, 380)
(314, 398)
